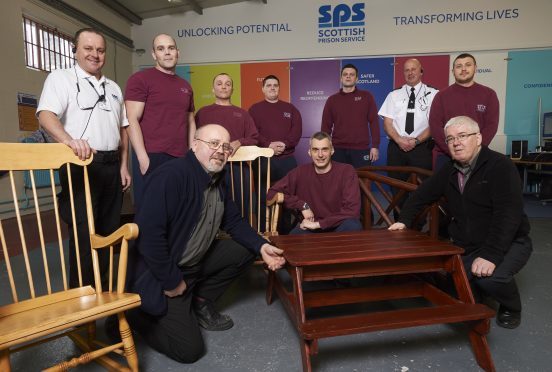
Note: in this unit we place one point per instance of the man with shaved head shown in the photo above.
(160, 110)
(235, 119)
(181, 268)
(238, 123)
(405, 115)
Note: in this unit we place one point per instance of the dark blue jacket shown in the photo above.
(172, 202)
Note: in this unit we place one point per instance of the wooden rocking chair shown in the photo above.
(37, 304)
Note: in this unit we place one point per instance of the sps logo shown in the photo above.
(341, 15)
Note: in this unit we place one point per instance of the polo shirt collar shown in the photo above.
(85, 75)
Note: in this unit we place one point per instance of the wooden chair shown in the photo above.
(37, 304)
(371, 175)
(249, 184)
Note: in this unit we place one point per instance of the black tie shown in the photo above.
(409, 127)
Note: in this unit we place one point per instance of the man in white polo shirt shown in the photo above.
(405, 115)
(84, 110)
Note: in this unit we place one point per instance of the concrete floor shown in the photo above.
(263, 338)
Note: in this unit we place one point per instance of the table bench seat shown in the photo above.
(394, 319)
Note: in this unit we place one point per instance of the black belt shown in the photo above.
(428, 142)
(106, 156)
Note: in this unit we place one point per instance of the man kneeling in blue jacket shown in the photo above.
(180, 268)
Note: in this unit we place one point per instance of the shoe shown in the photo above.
(507, 318)
(111, 328)
(209, 318)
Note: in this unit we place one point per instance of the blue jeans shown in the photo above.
(279, 168)
(350, 224)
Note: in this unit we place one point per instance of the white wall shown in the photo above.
(523, 24)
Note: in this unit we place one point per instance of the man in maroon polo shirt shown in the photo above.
(160, 110)
(279, 125)
(238, 123)
(234, 119)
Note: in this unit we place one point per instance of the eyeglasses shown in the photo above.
(461, 137)
(216, 144)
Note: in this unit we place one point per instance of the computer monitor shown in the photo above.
(547, 126)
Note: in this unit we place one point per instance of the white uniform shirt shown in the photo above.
(396, 104)
(81, 111)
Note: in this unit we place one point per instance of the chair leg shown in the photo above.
(91, 334)
(270, 287)
(128, 343)
(5, 360)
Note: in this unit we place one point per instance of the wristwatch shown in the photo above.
(305, 206)
(417, 141)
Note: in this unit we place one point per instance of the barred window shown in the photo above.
(46, 48)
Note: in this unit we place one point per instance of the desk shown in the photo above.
(534, 167)
(394, 254)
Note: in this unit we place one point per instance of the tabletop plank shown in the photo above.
(360, 246)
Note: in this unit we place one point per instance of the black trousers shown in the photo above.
(139, 180)
(107, 198)
(501, 286)
(350, 224)
(279, 168)
(419, 156)
(177, 334)
(357, 158)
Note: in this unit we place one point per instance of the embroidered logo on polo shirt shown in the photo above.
(358, 98)
(237, 114)
(481, 108)
(115, 97)
(287, 115)
(184, 90)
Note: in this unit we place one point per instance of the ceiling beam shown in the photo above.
(87, 20)
(196, 7)
(123, 11)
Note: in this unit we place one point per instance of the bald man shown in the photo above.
(160, 110)
(405, 114)
(182, 268)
